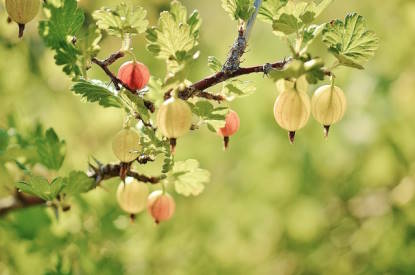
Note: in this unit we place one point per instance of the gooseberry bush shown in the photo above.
(158, 110)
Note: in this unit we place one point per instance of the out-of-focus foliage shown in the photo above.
(339, 206)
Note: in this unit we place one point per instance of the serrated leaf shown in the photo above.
(65, 21)
(78, 182)
(122, 20)
(138, 104)
(270, 10)
(237, 88)
(87, 42)
(350, 41)
(156, 92)
(97, 91)
(40, 187)
(213, 117)
(189, 178)
(239, 9)
(175, 38)
(51, 150)
(214, 64)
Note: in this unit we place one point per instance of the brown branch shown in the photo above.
(197, 89)
(103, 172)
(115, 80)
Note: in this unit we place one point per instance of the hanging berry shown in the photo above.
(161, 206)
(292, 107)
(126, 145)
(232, 123)
(22, 12)
(328, 106)
(174, 119)
(134, 74)
(132, 195)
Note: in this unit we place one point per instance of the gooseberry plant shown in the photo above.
(159, 110)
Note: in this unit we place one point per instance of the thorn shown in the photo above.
(225, 143)
(326, 130)
(21, 29)
(173, 143)
(291, 136)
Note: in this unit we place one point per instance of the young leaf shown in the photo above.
(237, 88)
(97, 91)
(239, 9)
(78, 182)
(189, 178)
(350, 42)
(40, 187)
(64, 22)
(214, 64)
(51, 150)
(214, 118)
(122, 20)
(175, 38)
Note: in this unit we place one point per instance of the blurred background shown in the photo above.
(339, 206)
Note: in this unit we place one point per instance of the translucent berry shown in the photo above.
(22, 12)
(161, 206)
(134, 74)
(292, 108)
(328, 105)
(232, 123)
(126, 145)
(132, 195)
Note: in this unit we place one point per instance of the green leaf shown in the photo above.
(97, 91)
(156, 92)
(214, 64)
(175, 38)
(4, 140)
(239, 9)
(213, 117)
(40, 187)
(121, 20)
(138, 103)
(237, 88)
(350, 42)
(87, 42)
(270, 10)
(78, 182)
(57, 32)
(51, 150)
(189, 178)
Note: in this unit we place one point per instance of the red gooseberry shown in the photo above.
(134, 74)
(161, 206)
(232, 123)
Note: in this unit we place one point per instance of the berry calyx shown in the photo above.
(232, 124)
(134, 74)
(292, 108)
(126, 145)
(328, 106)
(22, 12)
(132, 195)
(161, 206)
(174, 119)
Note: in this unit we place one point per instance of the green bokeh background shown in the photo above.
(339, 206)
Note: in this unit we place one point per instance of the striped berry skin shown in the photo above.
(161, 206)
(126, 145)
(328, 105)
(134, 74)
(132, 195)
(174, 118)
(231, 126)
(22, 11)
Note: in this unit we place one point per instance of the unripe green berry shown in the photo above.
(126, 145)
(174, 118)
(132, 195)
(292, 109)
(328, 105)
(22, 11)
(161, 206)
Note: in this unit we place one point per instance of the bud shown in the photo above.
(328, 105)
(134, 74)
(292, 107)
(161, 206)
(174, 119)
(22, 12)
(126, 145)
(132, 195)
(232, 123)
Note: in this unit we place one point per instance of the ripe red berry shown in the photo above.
(161, 206)
(232, 123)
(134, 74)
